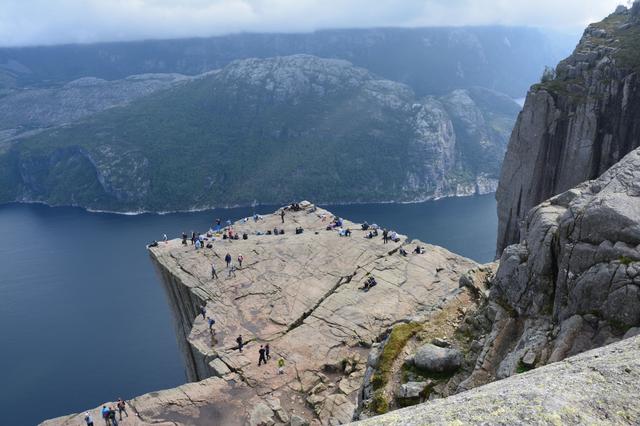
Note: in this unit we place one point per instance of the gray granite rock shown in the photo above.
(436, 359)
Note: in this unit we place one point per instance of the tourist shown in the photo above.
(365, 226)
(403, 252)
(88, 419)
(193, 237)
(240, 259)
(240, 342)
(347, 233)
(164, 238)
(184, 238)
(266, 352)
(261, 359)
(214, 274)
(198, 244)
(227, 258)
(105, 415)
(112, 417)
(418, 250)
(385, 236)
(394, 237)
(218, 221)
(282, 215)
(121, 408)
(211, 321)
(281, 366)
(203, 311)
(232, 271)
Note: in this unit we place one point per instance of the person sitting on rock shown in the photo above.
(418, 250)
(394, 236)
(365, 226)
(347, 233)
(369, 283)
(403, 252)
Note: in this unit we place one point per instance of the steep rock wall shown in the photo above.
(574, 127)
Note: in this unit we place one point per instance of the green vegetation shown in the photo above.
(522, 368)
(396, 341)
(379, 403)
(232, 138)
(626, 260)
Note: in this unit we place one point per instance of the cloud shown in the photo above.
(32, 22)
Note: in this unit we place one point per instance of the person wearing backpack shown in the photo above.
(211, 321)
(122, 408)
(240, 259)
(88, 419)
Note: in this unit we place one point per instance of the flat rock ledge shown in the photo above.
(596, 387)
(302, 294)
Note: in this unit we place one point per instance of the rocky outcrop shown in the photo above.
(596, 387)
(303, 295)
(573, 282)
(436, 359)
(573, 127)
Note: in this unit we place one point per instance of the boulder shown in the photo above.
(435, 359)
(412, 389)
(298, 421)
(261, 415)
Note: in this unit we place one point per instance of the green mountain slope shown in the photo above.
(270, 130)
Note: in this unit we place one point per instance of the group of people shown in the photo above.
(108, 414)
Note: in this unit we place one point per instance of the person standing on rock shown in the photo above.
(227, 258)
(88, 419)
(282, 215)
(240, 259)
(121, 408)
(266, 352)
(211, 321)
(203, 311)
(193, 237)
(262, 359)
(105, 415)
(112, 417)
(164, 238)
(184, 238)
(281, 366)
(214, 274)
(240, 342)
(385, 236)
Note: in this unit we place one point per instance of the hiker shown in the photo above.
(164, 237)
(211, 321)
(281, 366)
(203, 311)
(385, 236)
(369, 283)
(121, 408)
(214, 274)
(88, 419)
(232, 271)
(262, 358)
(193, 237)
(240, 259)
(282, 215)
(184, 238)
(227, 258)
(112, 416)
(403, 252)
(105, 415)
(365, 226)
(394, 237)
(240, 342)
(266, 352)
(198, 244)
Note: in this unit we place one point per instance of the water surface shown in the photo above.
(83, 318)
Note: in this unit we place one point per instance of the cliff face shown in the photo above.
(575, 126)
(573, 281)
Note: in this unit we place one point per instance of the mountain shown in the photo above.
(430, 60)
(575, 126)
(270, 130)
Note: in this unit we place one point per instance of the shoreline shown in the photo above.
(237, 206)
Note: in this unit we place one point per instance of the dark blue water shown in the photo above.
(83, 318)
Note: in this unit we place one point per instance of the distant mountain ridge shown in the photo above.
(270, 130)
(430, 60)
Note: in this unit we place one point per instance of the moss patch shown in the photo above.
(398, 338)
(379, 404)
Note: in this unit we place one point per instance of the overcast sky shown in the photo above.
(29, 22)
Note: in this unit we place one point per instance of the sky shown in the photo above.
(45, 22)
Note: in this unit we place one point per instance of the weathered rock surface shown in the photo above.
(301, 293)
(596, 387)
(576, 126)
(436, 359)
(572, 283)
